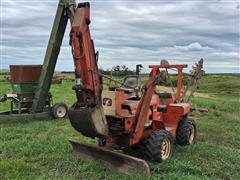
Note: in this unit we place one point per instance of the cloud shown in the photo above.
(129, 33)
(192, 47)
(228, 54)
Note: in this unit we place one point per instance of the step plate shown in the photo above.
(111, 159)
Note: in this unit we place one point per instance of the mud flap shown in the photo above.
(111, 159)
(90, 122)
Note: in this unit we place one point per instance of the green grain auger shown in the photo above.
(31, 83)
(24, 82)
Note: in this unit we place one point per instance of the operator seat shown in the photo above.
(131, 83)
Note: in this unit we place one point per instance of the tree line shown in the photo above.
(118, 71)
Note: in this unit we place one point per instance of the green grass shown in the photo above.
(32, 149)
(5, 87)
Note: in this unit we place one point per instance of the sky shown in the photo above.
(129, 33)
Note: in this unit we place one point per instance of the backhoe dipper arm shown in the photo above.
(88, 84)
(86, 115)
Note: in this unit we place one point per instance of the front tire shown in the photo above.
(59, 110)
(159, 146)
(186, 132)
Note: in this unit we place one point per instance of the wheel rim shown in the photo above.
(191, 135)
(166, 149)
(61, 111)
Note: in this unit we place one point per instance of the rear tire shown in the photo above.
(159, 146)
(59, 110)
(186, 132)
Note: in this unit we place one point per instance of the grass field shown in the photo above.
(34, 149)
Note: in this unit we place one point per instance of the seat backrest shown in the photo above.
(131, 81)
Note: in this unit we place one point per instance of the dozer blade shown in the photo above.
(111, 159)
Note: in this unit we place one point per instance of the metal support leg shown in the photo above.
(11, 110)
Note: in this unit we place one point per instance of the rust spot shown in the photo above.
(25, 73)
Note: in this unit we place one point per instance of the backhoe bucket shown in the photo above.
(111, 159)
(90, 122)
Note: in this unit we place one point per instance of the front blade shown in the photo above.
(110, 159)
